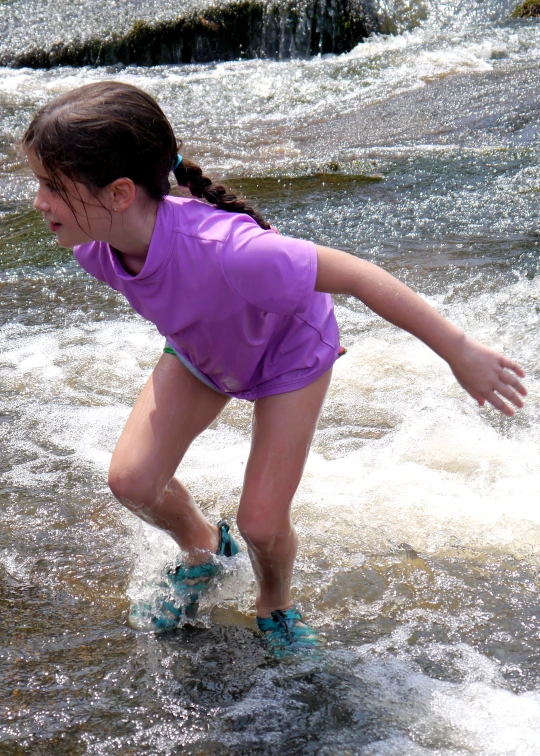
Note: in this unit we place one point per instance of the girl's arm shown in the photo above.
(484, 373)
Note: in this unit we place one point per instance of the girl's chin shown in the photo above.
(65, 243)
(68, 240)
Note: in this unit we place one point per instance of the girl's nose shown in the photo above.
(41, 204)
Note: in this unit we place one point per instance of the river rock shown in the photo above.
(527, 9)
(241, 29)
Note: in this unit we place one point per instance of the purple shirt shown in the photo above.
(236, 301)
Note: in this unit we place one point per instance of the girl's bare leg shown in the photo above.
(283, 428)
(173, 409)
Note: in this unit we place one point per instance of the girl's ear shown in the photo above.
(121, 194)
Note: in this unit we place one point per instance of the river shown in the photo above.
(418, 515)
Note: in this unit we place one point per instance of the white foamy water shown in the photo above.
(418, 512)
(477, 715)
(439, 468)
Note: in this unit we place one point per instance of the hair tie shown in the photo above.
(177, 162)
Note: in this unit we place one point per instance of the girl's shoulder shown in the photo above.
(196, 218)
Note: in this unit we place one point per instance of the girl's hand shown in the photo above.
(484, 373)
(488, 375)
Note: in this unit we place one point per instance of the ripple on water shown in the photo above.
(419, 531)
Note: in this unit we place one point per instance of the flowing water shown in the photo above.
(418, 514)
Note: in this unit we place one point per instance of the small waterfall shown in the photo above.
(242, 29)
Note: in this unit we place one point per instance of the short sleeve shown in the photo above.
(271, 272)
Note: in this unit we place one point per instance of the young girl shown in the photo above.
(246, 313)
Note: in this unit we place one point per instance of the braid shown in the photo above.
(190, 175)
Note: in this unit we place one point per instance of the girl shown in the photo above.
(246, 313)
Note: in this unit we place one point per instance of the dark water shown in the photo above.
(418, 514)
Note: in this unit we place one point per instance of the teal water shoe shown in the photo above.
(190, 582)
(163, 611)
(286, 633)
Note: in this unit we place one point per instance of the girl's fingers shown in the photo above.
(475, 395)
(511, 380)
(497, 396)
(504, 389)
(498, 403)
(506, 362)
(509, 393)
(495, 380)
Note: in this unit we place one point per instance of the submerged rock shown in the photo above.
(527, 9)
(241, 29)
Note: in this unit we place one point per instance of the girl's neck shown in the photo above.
(131, 234)
(130, 263)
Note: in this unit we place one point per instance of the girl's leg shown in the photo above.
(283, 428)
(173, 409)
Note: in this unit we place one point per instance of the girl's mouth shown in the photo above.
(54, 226)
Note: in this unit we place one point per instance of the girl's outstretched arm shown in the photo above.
(486, 374)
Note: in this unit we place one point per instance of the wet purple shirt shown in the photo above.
(236, 301)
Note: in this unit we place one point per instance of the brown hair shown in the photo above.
(108, 130)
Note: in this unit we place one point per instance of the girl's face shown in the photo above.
(81, 219)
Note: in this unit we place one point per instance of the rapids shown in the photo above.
(418, 514)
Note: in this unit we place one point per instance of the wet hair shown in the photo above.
(100, 132)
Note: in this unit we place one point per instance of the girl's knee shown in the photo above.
(261, 531)
(132, 489)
